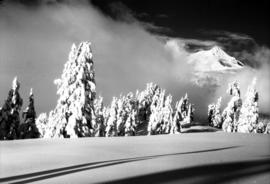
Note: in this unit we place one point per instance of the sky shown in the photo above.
(133, 42)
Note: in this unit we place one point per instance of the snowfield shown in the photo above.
(201, 157)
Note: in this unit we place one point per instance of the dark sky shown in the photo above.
(189, 18)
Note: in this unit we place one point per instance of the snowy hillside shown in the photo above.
(213, 60)
(214, 157)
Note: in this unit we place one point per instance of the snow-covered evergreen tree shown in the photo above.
(155, 119)
(177, 118)
(10, 113)
(28, 129)
(42, 124)
(183, 115)
(267, 128)
(214, 114)
(145, 99)
(189, 117)
(231, 113)
(187, 111)
(130, 115)
(130, 124)
(111, 128)
(167, 113)
(73, 115)
(249, 114)
(99, 126)
(120, 117)
(260, 128)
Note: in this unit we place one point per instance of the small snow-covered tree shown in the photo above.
(183, 115)
(74, 113)
(249, 114)
(130, 124)
(267, 128)
(28, 129)
(187, 111)
(130, 115)
(155, 120)
(99, 126)
(145, 99)
(190, 116)
(167, 113)
(231, 113)
(260, 128)
(214, 114)
(10, 113)
(177, 118)
(42, 124)
(111, 129)
(120, 117)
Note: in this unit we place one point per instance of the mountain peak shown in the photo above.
(214, 59)
(217, 50)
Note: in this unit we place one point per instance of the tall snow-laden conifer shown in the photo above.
(73, 115)
(249, 114)
(231, 113)
(28, 129)
(10, 113)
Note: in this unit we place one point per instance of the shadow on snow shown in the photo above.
(212, 173)
(42, 175)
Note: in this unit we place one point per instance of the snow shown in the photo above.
(238, 116)
(10, 113)
(28, 129)
(214, 157)
(73, 115)
(232, 112)
(79, 113)
(213, 60)
(249, 114)
(214, 114)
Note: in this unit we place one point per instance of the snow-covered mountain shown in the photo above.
(213, 60)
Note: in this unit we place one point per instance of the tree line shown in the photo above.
(81, 113)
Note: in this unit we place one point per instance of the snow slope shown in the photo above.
(213, 60)
(214, 157)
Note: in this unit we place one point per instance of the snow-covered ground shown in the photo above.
(201, 157)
